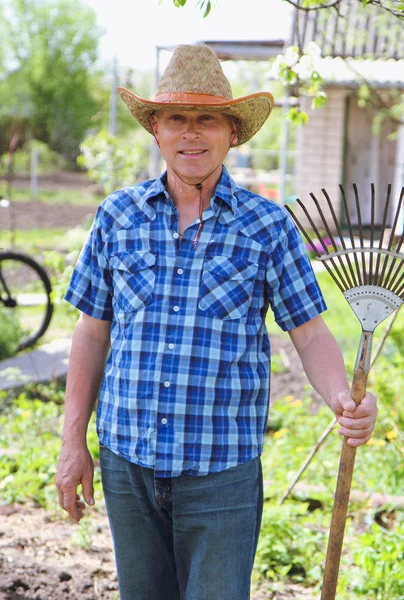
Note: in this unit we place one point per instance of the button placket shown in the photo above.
(187, 264)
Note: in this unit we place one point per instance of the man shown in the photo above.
(174, 283)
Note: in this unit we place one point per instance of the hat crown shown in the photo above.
(194, 69)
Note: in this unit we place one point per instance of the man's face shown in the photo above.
(193, 143)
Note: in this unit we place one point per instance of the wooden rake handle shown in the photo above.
(344, 480)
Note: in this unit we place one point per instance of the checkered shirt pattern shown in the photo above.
(186, 383)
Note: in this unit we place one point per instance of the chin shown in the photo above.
(193, 176)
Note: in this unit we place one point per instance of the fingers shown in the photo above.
(75, 467)
(88, 490)
(71, 503)
(358, 425)
(346, 401)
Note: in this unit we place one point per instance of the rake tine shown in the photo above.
(388, 282)
(358, 211)
(382, 230)
(306, 235)
(372, 230)
(398, 288)
(392, 235)
(316, 202)
(342, 284)
(313, 226)
(351, 235)
(341, 237)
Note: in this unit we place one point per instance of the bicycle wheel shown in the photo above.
(26, 290)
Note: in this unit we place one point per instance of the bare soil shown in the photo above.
(41, 215)
(45, 215)
(41, 557)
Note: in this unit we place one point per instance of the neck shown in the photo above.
(184, 192)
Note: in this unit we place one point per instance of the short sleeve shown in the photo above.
(294, 294)
(90, 285)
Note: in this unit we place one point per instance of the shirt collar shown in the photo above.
(225, 190)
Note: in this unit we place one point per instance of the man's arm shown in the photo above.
(90, 346)
(324, 366)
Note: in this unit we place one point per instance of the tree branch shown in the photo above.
(335, 3)
(375, 97)
(317, 7)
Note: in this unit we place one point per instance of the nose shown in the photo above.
(191, 129)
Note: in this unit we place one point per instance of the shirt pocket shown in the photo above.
(133, 276)
(226, 286)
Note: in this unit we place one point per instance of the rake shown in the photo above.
(370, 274)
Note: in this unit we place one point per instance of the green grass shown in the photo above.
(66, 196)
(31, 240)
(36, 241)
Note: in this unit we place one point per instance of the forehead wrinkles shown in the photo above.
(191, 113)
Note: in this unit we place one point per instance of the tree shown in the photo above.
(47, 57)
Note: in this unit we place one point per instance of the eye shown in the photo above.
(176, 118)
(206, 118)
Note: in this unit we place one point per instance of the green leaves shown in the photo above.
(297, 116)
(206, 6)
(49, 52)
(203, 5)
(112, 162)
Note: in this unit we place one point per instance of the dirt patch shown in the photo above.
(40, 560)
(56, 181)
(45, 215)
(41, 215)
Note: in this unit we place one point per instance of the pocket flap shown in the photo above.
(232, 267)
(133, 261)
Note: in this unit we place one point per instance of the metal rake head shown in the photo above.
(370, 273)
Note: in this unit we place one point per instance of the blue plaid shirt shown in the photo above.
(186, 383)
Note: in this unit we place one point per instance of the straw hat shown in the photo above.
(194, 80)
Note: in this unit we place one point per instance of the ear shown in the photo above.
(233, 135)
(154, 126)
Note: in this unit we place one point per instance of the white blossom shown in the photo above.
(291, 56)
(313, 51)
(275, 69)
(304, 67)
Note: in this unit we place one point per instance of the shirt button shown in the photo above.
(176, 235)
(171, 346)
(176, 308)
(164, 421)
(167, 384)
(180, 271)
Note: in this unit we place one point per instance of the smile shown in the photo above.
(191, 152)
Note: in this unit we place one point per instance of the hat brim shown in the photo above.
(251, 111)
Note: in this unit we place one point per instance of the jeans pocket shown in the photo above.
(226, 287)
(133, 275)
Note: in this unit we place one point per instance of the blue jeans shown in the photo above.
(186, 537)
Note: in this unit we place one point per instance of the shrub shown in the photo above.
(10, 333)
(48, 160)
